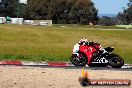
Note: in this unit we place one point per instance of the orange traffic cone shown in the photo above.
(84, 73)
(84, 80)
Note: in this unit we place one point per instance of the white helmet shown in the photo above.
(83, 41)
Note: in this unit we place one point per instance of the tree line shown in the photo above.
(63, 11)
(60, 11)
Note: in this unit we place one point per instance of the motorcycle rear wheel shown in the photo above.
(116, 61)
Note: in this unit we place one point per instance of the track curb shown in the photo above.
(29, 63)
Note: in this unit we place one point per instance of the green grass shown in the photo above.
(41, 43)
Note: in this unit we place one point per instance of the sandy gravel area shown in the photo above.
(36, 77)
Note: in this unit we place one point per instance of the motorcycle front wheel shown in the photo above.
(116, 61)
(75, 60)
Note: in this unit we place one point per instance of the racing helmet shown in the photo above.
(83, 41)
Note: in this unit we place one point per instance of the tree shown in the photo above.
(83, 12)
(125, 17)
(8, 8)
(11, 8)
(35, 9)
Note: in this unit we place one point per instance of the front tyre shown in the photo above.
(116, 61)
(78, 61)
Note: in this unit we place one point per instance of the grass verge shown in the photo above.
(42, 43)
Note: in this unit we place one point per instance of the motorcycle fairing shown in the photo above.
(88, 51)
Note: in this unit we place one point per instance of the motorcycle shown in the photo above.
(91, 55)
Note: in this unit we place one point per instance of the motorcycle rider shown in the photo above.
(84, 41)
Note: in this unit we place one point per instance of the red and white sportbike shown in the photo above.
(91, 55)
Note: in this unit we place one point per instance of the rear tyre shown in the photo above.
(116, 61)
(78, 61)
